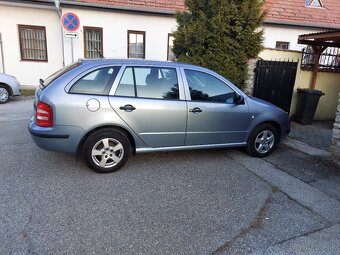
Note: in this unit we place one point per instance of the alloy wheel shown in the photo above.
(3, 95)
(264, 141)
(107, 152)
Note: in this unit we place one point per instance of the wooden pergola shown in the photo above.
(320, 42)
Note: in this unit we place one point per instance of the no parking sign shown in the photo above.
(70, 21)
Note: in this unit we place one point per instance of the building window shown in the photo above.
(171, 55)
(282, 45)
(136, 44)
(93, 42)
(33, 43)
(313, 3)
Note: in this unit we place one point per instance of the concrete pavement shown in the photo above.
(318, 135)
(325, 242)
(192, 202)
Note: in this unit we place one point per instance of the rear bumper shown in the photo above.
(57, 138)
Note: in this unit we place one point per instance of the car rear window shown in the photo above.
(97, 82)
(59, 73)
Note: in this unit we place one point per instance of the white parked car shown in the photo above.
(9, 87)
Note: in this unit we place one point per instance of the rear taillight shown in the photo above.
(44, 115)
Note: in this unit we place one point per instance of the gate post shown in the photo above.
(249, 84)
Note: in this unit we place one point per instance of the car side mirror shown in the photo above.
(239, 99)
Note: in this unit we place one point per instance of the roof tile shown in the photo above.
(286, 11)
(298, 12)
(175, 5)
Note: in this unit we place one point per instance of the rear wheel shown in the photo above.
(106, 151)
(4, 94)
(262, 141)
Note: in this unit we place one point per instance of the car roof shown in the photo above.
(105, 61)
(6, 75)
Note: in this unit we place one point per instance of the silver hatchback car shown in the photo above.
(9, 87)
(107, 109)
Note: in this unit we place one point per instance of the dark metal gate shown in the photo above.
(274, 82)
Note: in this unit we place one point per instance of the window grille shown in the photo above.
(282, 45)
(33, 43)
(93, 42)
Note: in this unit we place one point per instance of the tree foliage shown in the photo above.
(221, 35)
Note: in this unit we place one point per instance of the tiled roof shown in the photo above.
(321, 33)
(295, 12)
(279, 11)
(171, 5)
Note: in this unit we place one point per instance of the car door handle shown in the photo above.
(195, 110)
(127, 108)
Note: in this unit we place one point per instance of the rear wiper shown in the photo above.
(41, 84)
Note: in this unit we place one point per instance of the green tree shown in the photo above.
(221, 35)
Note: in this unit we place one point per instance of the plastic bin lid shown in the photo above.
(310, 92)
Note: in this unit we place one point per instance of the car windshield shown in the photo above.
(59, 73)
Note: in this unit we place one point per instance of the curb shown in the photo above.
(306, 148)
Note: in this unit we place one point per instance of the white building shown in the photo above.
(286, 20)
(33, 44)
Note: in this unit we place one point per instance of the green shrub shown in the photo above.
(221, 35)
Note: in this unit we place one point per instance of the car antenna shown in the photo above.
(98, 51)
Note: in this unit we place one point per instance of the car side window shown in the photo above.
(149, 82)
(205, 87)
(97, 82)
(126, 85)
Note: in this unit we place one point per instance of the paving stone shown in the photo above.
(318, 135)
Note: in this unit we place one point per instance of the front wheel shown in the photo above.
(106, 151)
(4, 94)
(262, 140)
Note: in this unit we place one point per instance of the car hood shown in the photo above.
(263, 102)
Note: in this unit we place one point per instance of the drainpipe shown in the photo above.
(59, 12)
(2, 55)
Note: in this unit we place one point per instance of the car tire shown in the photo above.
(262, 141)
(4, 94)
(106, 151)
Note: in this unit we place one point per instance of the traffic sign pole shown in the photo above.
(72, 50)
(71, 23)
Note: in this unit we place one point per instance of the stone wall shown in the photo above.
(335, 148)
(249, 84)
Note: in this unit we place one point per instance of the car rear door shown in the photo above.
(214, 117)
(150, 100)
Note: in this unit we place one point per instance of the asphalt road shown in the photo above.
(192, 202)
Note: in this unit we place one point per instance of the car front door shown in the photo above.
(214, 116)
(150, 100)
